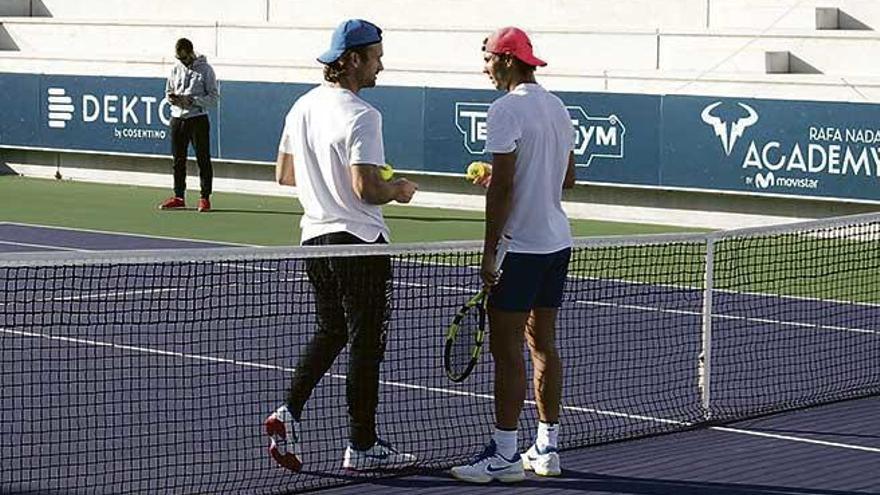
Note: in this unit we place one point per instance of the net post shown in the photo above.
(705, 359)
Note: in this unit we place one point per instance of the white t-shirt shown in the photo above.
(327, 131)
(535, 124)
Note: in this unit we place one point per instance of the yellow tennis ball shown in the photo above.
(386, 172)
(478, 170)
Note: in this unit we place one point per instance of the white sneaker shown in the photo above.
(380, 456)
(542, 462)
(281, 428)
(490, 465)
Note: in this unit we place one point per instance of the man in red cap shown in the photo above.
(530, 136)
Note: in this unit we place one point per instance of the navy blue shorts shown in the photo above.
(530, 281)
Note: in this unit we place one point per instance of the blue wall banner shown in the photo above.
(252, 118)
(402, 121)
(116, 114)
(750, 146)
(767, 146)
(616, 136)
(19, 100)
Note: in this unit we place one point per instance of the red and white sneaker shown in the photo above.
(172, 203)
(281, 428)
(204, 204)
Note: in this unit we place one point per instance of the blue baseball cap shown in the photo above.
(350, 34)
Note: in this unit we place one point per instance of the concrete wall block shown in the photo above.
(15, 8)
(777, 62)
(827, 18)
(7, 43)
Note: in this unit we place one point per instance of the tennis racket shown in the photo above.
(464, 338)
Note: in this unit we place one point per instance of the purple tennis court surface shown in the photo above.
(16, 237)
(834, 449)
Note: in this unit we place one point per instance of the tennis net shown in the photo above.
(150, 372)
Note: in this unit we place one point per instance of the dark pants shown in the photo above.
(195, 130)
(352, 295)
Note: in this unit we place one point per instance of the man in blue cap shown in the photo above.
(332, 148)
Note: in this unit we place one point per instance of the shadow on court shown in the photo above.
(254, 212)
(596, 483)
(413, 218)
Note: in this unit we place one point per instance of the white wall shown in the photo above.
(787, 86)
(725, 62)
(852, 53)
(88, 39)
(445, 49)
(160, 10)
(489, 14)
(482, 14)
(831, 52)
(585, 51)
(785, 14)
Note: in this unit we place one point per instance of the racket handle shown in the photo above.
(501, 252)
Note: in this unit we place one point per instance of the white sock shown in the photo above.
(548, 433)
(506, 442)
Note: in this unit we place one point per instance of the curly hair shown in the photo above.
(336, 70)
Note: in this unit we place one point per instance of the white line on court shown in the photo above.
(791, 438)
(450, 288)
(247, 364)
(101, 295)
(129, 234)
(112, 294)
(796, 324)
(727, 291)
(44, 246)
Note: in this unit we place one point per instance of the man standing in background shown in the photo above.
(192, 90)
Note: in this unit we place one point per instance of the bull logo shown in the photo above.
(729, 134)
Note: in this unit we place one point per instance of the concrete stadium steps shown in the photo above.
(791, 86)
(489, 14)
(275, 43)
(155, 10)
(829, 52)
(85, 38)
(578, 51)
(465, 13)
(847, 53)
(791, 14)
(554, 14)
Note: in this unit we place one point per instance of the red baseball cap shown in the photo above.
(514, 41)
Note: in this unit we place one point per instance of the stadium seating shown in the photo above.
(760, 15)
(810, 49)
(728, 51)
